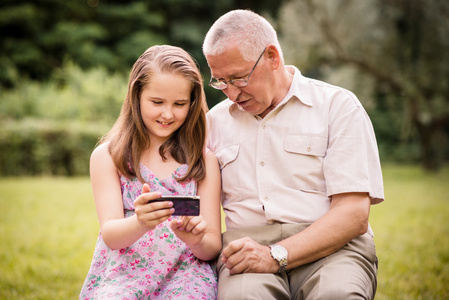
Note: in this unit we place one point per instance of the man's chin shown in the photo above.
(249, 109)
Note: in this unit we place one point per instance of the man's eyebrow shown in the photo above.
(212, 77)
(230, 77)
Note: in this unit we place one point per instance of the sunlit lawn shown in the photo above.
(412, 235)
(49, 227)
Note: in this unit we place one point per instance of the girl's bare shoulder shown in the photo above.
(101, 153)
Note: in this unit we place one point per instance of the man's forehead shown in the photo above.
(227, 65)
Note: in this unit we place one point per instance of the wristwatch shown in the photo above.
(279, 253)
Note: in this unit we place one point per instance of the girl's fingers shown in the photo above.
(183, 221)
(160, 213)
(160, 208)
(198, 227)
(146, 188)
(153, 218)
(179, 223)
(192, 224)
(145, 197)
(163, 205)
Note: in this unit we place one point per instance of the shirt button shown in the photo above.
(262, 163)
(264, 126)
(308, 149)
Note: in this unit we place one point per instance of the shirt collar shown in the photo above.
(299, 88)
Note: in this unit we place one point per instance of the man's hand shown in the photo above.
(246, 256)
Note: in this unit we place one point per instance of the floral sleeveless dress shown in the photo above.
(157, 266)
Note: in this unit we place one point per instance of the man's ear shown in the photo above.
(273, 56)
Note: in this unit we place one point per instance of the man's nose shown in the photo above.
(232, 92)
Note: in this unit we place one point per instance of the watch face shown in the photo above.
(279, 252)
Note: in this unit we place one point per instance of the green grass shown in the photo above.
(49, 227)
(47, 236)
(412, 235)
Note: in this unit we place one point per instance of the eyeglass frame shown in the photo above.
(232, 81)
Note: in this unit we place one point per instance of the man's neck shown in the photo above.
(282, 85)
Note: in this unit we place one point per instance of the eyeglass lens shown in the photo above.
(240, 82)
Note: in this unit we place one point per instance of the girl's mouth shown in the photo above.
(164, 123)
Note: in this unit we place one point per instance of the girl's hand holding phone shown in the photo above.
(189, 229)
(149, 215)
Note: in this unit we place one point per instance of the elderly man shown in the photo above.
(300, 169)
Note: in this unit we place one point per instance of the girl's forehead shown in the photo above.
(168, 86)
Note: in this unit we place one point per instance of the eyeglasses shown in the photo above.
(239, 82)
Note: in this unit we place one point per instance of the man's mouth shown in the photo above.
(240, 102)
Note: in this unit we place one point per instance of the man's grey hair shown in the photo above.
(250, 32)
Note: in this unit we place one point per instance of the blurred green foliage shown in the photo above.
(38, 35)
(72, 94)
(51, 128)
(38, 147)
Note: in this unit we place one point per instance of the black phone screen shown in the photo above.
(183, 205)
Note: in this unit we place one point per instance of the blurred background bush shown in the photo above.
(64, 68)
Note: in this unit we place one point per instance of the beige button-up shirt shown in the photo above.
(317, 142)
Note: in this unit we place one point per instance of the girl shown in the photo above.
(156, 147)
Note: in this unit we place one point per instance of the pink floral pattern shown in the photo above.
(157, 266)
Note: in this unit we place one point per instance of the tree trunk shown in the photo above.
(433, 141)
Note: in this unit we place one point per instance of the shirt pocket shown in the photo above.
(303, 162)
(227, 155)
(306, 144)
(230, 173)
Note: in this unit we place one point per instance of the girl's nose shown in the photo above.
(167, 113)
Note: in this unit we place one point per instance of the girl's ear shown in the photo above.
(273, 56)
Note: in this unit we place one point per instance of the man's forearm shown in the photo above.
(346, 219)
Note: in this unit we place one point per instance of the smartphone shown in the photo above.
(183, 205)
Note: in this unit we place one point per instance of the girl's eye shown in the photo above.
(180, 103)
(157, 102)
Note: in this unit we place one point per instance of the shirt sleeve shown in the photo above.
(352, 160)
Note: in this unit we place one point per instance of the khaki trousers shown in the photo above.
(350, 273)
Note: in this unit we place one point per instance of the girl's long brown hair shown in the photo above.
(128, 138)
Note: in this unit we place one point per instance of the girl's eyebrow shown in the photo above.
(163, 99)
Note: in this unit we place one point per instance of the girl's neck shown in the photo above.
(154, 162)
